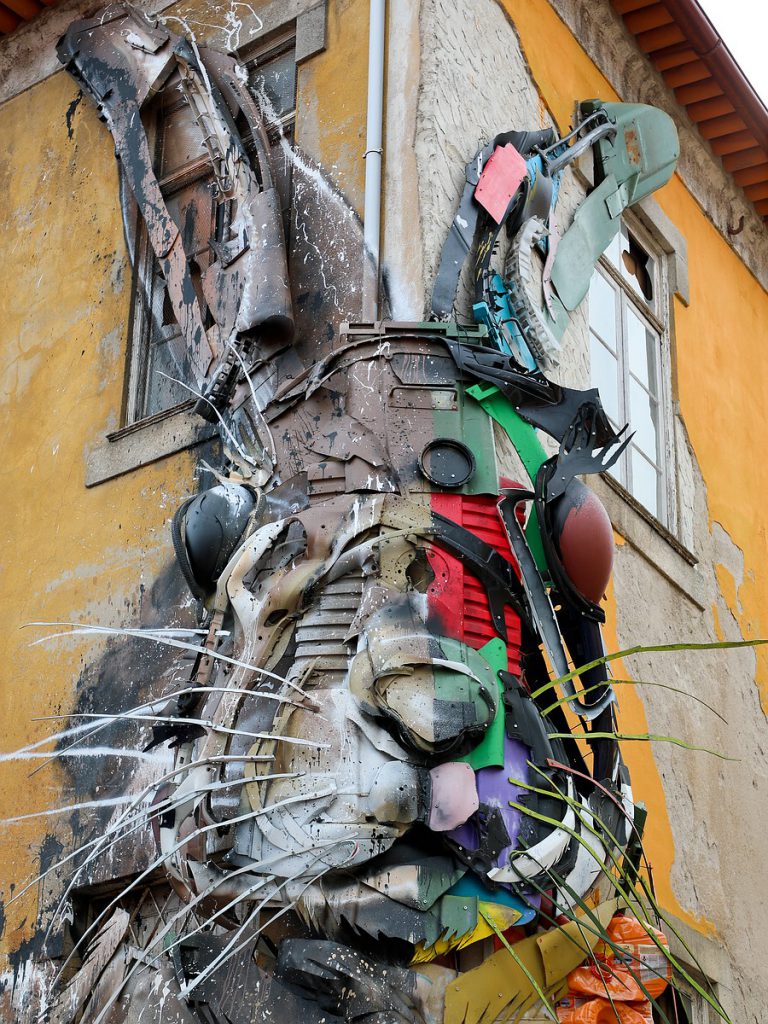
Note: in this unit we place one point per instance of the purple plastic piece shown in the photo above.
(495, 790)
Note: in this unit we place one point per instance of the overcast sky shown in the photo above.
(743, 26)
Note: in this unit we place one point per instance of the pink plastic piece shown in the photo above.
(454, 796)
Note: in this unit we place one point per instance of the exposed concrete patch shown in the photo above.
(462, 105)
(729, 568)
(310, 32)
(686, 482)
(108, 351)
(126, 450)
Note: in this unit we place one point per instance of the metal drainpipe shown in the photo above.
(372, 157)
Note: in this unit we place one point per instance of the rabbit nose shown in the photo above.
(442, 798)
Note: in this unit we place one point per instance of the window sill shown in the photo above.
(145, 442)
(646, 535)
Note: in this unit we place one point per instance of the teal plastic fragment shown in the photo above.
(592, 231)
(639, 159)
(470, 886)
(502, 314)
(644, 153)
(458, 916)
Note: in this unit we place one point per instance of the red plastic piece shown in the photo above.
(457, 602)
(500, 180)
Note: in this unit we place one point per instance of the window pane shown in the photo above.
(182, 140)
(642, 346)
(637, 268)
(188, 189)
(274, 85)
(619, 470)
(645, 482)
(161, 392)
(613, 252)
(605, 377)
(643, 419)
(602, 309)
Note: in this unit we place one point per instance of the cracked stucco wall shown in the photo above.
(488, 66)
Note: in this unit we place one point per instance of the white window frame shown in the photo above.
(658, 316)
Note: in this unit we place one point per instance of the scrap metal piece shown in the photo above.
(541, 964)
(543, 613)
(636, 149)
(353, 756)
(122, 61)
(206, 530)
(499, 181)
(594, 126)
(239, 991)
(541, 327)
(463, 229)
(348, 983)
(498, 577)
(103, 969)
(246, 287)
(591, 554)
(542, 403)
(447, 463)
(584, 449)
(438, 693)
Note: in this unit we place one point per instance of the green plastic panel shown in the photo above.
(490, 751)
(529, 448)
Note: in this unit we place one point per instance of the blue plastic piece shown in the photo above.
(470, 885)
(503, 329)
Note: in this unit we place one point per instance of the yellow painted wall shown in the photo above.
(720, 340)
(67, 553)
(332, 100)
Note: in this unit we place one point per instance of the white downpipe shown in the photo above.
(372, 157)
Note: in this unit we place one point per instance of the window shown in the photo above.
(684, 1005)
(628, 358)
(187, 184)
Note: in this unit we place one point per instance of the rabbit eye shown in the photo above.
(584, 538)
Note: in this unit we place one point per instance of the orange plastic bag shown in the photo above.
(582, 1010)
(633, 960)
